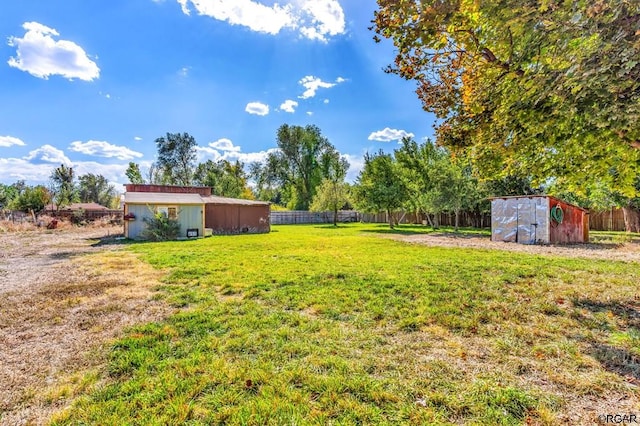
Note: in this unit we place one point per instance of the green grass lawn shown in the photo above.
(316, 325)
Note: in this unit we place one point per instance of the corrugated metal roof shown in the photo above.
(214, 199)
(161, 198)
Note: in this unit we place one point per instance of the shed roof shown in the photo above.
(161, 198)
(539, 196)
(214, 199)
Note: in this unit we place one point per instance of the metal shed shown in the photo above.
(188, 209)
(538, 219)
(235, 216)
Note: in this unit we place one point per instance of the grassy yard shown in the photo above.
(316, 325)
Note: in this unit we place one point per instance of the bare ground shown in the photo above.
(64, 295)
(627, 251)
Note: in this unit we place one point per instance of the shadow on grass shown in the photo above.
(114, 239)
(618, 360)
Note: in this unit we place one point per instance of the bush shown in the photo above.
(160, 228)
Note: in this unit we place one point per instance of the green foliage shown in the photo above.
(379, 186)
(160, 228)
(541, 89)
(176, 158)
(323, 325)
(8, 193)
(133, 173)
(32, 198)
(330, 196)
(63, 187)
(226, 179)
(96, 189)
(292, 174)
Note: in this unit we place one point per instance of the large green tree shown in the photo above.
(304, 157)
(32, 199)
(379, 186)
(549, 89)
(176, 158)
(134, 174)
(63, 186)
(225, 178)
(96, 189)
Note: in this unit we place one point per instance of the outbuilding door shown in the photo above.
(515, 220)
(527, 221)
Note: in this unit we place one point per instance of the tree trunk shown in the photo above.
(430, 221)
(335, 217)
(390, 218)
(457, 221)
(631, 219)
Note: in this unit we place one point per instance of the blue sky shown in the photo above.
(93, 83)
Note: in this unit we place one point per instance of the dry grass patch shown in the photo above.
(53, 336)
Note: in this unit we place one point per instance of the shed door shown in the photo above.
(527, 223)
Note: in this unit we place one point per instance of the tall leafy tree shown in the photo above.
(176, 158)
(32, 199)
(303, 159)
(379, 186)
(64, 190)
(548, 89)
(8, 193)
(134, 174)
(96, 189)
(225, 178)
(332, 195)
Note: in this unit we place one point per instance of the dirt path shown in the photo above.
(63, 295)
(628, 252)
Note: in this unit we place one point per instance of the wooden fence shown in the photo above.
(300, 216)
(609, 220)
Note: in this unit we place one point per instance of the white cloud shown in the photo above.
(312, 84)
(224, 144)
(326, 101)
(356, 164)
(41, 56)
(327, 18)
(314, 19)
(7, 141)
(289, 106)
(137, 138)
(388, 135)
(309, 112)
(48, 154)
(104, 149)
(257, 108)
(224, 149)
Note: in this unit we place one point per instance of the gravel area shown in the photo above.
(628, 251)
(64, 295)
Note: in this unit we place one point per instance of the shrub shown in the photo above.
(160, 228)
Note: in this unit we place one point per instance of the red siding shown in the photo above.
(204, 191)
(237, 219)
(572, 228)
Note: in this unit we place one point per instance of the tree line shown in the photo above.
(63, 189)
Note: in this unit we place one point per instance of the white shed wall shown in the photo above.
(523, 219)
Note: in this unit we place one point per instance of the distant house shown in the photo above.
(198, 212)
(532, 219)
(76, 207)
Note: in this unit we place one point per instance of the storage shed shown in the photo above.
(538, 219)
(235, 216)
(188, 209)
(220, 215)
